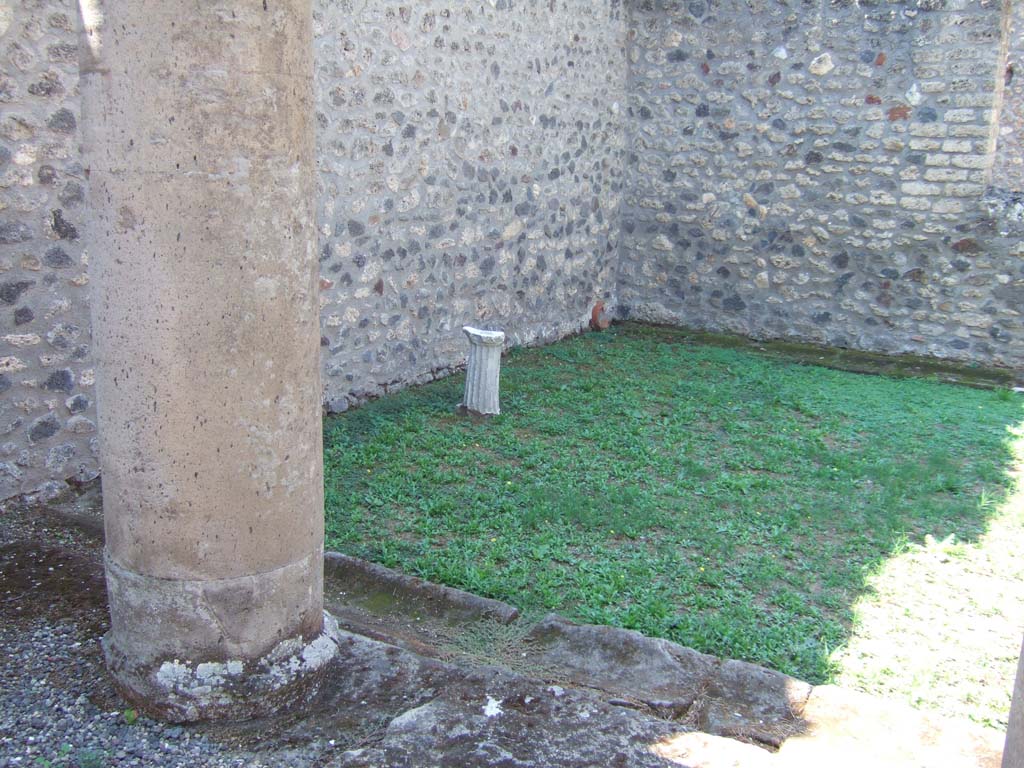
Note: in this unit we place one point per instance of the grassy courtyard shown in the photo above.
(834, 526)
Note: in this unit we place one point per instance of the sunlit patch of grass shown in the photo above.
(740, 505)
(940, 623)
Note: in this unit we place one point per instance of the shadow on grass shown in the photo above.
(731, 502)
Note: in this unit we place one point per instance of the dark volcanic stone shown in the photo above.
(72, 194)
(14, 232)
(62, 121)
(10, 292)
(64, 229)
(60, 381)
(43, 428)
(734, 304)
(77, 404)
(57, 258)
(47, 175)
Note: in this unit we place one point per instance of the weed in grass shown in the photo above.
(90, 758)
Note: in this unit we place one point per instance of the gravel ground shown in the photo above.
(57, 705)
(50, 713)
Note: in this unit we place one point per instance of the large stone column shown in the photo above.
(198, 147)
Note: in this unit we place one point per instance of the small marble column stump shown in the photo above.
(482, 372)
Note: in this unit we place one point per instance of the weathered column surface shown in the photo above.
(483, 371)
(1013, 753)
(199, 151)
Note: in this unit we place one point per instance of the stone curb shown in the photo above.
(723, 697)
(370, 578)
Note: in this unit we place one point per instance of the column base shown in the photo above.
(464, 410)
(184, 691)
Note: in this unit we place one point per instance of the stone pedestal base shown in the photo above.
(185, 691)
(483, 372)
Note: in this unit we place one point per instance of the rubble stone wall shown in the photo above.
(822, 172)
(47, 414)
(471, 162)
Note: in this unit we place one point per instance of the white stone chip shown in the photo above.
(493, 707)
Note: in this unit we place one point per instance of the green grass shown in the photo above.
(734, 503)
